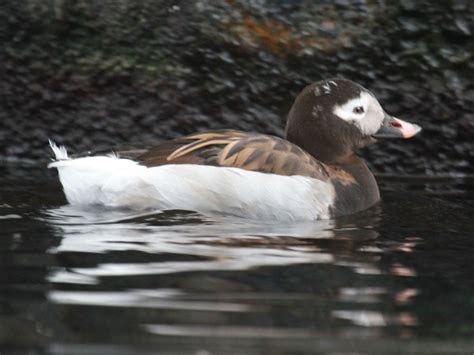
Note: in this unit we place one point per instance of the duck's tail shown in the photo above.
(60, 153)
(102, 180)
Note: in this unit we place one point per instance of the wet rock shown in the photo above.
(93, 74)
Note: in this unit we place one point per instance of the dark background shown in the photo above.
(92, 74)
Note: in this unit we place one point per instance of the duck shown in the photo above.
(313, 173)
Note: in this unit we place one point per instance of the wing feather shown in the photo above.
(228, 148)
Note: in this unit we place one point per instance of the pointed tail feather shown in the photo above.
(60, 153)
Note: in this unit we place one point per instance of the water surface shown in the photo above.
(398, 278)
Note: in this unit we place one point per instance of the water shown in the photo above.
(395, 279)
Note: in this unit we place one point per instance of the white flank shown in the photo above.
(113, 182)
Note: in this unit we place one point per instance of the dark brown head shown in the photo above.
(330, 119)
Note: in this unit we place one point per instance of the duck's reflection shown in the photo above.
(184, 242)
(192, 271)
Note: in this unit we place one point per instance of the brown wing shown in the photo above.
(249, 151)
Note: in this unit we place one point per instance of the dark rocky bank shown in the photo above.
(97, 73)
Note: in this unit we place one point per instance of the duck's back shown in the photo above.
(234, 149)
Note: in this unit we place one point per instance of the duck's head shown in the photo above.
(330, 119)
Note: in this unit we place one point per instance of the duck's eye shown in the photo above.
(358, 109)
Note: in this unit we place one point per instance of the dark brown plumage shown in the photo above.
(229, 148)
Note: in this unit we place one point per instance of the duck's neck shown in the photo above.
(357, 190)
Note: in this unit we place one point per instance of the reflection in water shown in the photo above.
(184, 243)
(103, 281)
(201, 251)
(220, 244)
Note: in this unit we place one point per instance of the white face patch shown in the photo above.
(364, 112)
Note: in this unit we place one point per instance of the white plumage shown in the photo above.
(371, 117)
(114, 182)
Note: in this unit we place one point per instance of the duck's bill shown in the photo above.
(395, 128)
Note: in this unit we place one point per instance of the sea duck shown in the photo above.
(314, 173)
